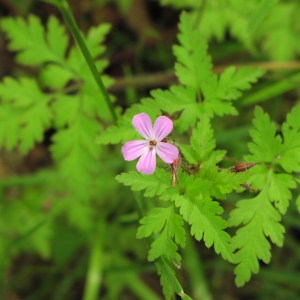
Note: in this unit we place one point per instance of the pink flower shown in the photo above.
(152, 145)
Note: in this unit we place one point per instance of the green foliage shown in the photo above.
(260, 13)
(202, 213)
(169, 226)
(280, 23)
(260, 217)
(289, 155)
(29, 38)
(192, 200)
(201, 95)
(26, 113)
(202, 143)
(77, 201)
(258, 24)
(30, 110)
(194, 69)
(201, 92)
(153, 185)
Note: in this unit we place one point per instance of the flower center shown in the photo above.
(152, 144)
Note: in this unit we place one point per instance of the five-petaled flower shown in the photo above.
(152, 145)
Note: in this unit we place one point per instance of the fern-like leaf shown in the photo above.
(290, 152)
(29, 39)
(194, 69)
(203, 214)
(76, 153)
(260, 217)
(169, 225)
(261, 221)
(25, 112)
(265, 145)
(154, 185)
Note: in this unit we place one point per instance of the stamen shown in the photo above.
(152, 144)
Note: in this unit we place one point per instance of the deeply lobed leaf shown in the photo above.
(33, 43)
(25, 112)
(202, 214)
(261, 221)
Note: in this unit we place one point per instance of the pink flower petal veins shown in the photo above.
(147, 162)
(162, 127)
(133, 149)
(167, 152)
(143, 125)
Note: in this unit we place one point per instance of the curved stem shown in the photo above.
(71, 23)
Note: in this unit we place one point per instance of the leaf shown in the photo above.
(168, 279)
(169, 226)
(76, 153)
(223, 182)
(154, 185)
(292, 118)
(202, 142)
(178, 98)
(164, 246)
(260, 13)
(38, 46)
(290, 152)
(25, 112)
(194, 70)
(202, 213)
(232, 81)
(115, 134)
(33, 44)
(266, 145)
(153, 222)
(95, 37)
(194, 65)
(280, 23)
(56, 77)
(201, 93)
(260, 221)
(279, 190)
(65, 109)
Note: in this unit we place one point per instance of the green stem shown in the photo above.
(161, 263)
(173, 282)
(95, 267)
(196, 273)
(71, 23)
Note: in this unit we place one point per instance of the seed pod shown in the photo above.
(174, 167)
(242, 167)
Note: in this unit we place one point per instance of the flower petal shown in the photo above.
(162, 127)
(133, 149)
(167, 152)
(147, 162)
(143, 125)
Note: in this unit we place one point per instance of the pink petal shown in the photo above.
(167, 152)
(133, 149)
(162, 127)
(143, 125)
(147, 162)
